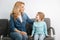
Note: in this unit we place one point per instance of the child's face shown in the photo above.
(37, 17)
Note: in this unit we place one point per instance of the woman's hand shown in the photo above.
(16, 30)
(23, 33)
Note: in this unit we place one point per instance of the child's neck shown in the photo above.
(40, 20)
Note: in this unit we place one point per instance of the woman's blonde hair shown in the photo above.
(41, 15)
(18, 3)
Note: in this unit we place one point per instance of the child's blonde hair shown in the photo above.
(41, 15)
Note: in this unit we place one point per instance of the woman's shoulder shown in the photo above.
(11, 15)
(24, 14)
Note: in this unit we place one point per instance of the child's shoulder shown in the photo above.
(44, 22)
(35, 22)
(40, 22)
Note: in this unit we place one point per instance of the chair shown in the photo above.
(4, 29)
(47, 20)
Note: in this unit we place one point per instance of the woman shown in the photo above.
(18, 20)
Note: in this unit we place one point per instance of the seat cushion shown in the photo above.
(6, 38)
(49, 38)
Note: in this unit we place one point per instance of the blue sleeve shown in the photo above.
(12, 26)
(29, 20)
(45, 29)
(33, 30)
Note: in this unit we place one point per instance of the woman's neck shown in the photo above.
(20, 13)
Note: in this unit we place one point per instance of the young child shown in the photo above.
(39, 27)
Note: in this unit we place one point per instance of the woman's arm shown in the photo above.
(29, 20)
(13, 28)
(12, 25)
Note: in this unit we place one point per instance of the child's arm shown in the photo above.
(45, 29)
(33, 30)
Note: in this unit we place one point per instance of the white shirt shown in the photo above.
(20, 17)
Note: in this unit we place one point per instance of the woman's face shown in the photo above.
(18, 8)
(21, 8)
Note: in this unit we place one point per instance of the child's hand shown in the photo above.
(47, 35)
(31, 36)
